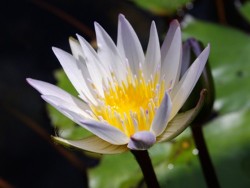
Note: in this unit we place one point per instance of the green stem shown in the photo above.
(204, 157)
(144, 161)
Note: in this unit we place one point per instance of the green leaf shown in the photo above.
(229, 148)
(245, 10)
(228, 140)
(229, 59)
(162, 7)
(176, 163)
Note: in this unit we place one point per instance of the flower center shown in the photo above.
(130, 106)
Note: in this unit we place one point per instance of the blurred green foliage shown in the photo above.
(245, 10)
(229, 59)
(162, 7)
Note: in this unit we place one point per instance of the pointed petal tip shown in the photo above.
(166, 98)
(72, 39)
(81, 39)
(121, 16)
(203, 94)
(33, 82)
(96, 25)
(153, 27)
(205, 52)
(57, 51)
(29, 80)
(208, 46)
(153, 23)
(200, 103)
(61, 54)
(175, 23)
(98, 29)
(175, 27)
(123, 20)
(162, 115)
(78, 36)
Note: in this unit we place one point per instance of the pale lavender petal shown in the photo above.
(181, 121)
(76, 48)
(188, 81)
(141, 140)
(162, 115)
(129, 45)
(171, 53)
(97, 71)
(61, 108)
(101, 129)
(73, 69)
(93, 144)
(153, 55)
(109, 54)
(76, 106)
(49, 89)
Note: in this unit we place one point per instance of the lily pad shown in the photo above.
(245, 10)
(176, 163)
(228, 140)
(229, 60)
(162, 7)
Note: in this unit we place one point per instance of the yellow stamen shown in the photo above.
(130, 105)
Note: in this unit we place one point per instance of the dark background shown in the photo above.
(28, 31)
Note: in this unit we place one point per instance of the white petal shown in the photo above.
(93, 144)
(76, 48)
(75, 72)
(49, 89)
(153, 55)
(171, 53)
(181, 121)
(61, 108)
(108, 53)
(97, 71)
(101, 129)
(162, 115)
(188, 81)
(129, 45)
(77, 106)
(141, 140)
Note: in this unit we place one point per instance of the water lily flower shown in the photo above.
(128, 100)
